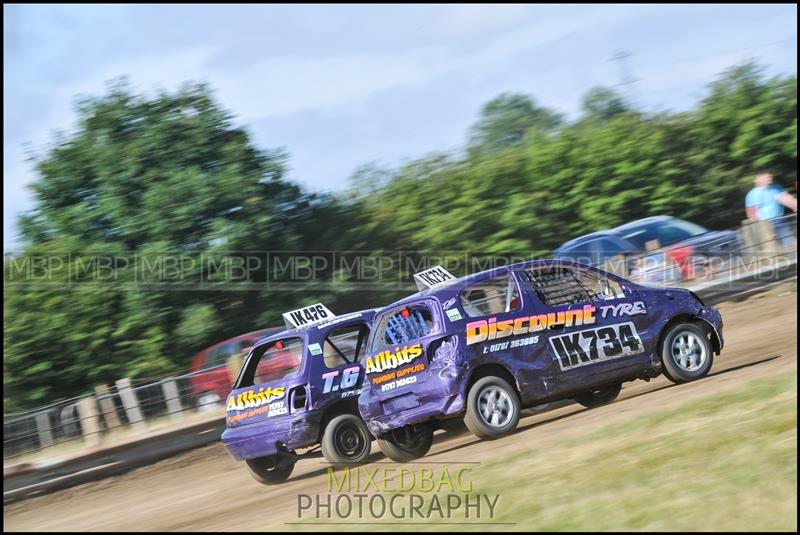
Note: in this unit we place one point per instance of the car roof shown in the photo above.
(613, 232)
(458, 284)
(366, 314)
(586, 237)
(639, 222)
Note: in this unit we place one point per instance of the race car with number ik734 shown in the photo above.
(488, 345)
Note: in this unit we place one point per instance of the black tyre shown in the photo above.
(271, 470)
(599, 396)
(686, 353)
(346, 440)
(493, 408)
(406, 443)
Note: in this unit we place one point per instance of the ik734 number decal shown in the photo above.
(595, 345)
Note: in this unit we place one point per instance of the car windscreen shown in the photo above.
(272, 361)
(666, 232)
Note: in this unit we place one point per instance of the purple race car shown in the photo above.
(298, 388)
(488, 345)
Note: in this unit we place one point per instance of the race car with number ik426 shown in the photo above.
(298, 390)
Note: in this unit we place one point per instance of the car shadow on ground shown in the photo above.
(526, 427)
(325, 465)
(455, 429)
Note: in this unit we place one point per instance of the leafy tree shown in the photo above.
(603, 103)
(143, 184)
(506, 118)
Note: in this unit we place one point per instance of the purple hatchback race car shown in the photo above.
(299, 389)
(488, 345)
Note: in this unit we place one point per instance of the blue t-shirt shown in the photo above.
(764, 200)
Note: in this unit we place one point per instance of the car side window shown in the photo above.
(577, 253)
(216, 357)
(566, 285)
(271, 362)
(344, 346)
(489, 297)
(402, 326)
(603, 288)
(608, 248)
(243, 347)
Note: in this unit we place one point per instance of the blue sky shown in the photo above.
(340, 86)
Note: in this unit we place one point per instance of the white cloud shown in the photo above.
(555, 52)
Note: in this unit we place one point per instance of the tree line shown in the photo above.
(144, 175)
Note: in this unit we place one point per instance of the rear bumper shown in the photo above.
(266, 438)
(441, 395)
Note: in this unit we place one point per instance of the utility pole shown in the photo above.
(626, 81)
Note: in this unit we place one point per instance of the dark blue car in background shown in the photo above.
(684, 245)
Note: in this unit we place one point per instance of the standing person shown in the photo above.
(766, 201)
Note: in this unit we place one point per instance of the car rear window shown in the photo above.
(401, 326)
(277, 360)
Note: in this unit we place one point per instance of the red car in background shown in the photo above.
(210, 380)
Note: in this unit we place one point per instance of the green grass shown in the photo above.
(727, 461)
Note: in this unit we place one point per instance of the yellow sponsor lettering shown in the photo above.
(477, 331)
(387, 360)
(491, 329)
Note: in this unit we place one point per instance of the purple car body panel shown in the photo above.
(287, 413)
(434, 384)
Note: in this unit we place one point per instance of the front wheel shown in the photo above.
(686, 354)
(599, 396)
(406, 443)
(346, 440)
(272, 469)
(492, 408)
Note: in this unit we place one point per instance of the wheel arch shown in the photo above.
(342, 406)
(704, 325)
(496, 370)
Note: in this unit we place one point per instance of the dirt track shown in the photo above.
(206, 490)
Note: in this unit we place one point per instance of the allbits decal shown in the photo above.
(386, 360)
(251, 399)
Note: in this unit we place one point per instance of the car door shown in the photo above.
(337, 357)
(592, 326)
(498, 332)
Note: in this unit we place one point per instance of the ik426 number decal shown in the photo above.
(595, 345)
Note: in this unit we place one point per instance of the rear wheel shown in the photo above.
(493, 408)
(406, 443)
(272, 469)
(686, 354)
(346, 440)
(599, 396)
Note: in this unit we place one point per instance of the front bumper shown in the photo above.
(261, 439)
